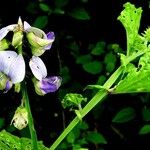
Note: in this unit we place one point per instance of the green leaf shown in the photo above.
(94, 67)
(110, 57)
(45, 7)
(71, 137)
(110, 67)
(83, 59)
(96, 138)
(80, 14)
(101, 80)
(99, 48)
(2, 122)
(146, 114)
(41, 22)
(145, 129)
(124, 115)
(136, 80)
(130, 18)
(11, 142)
(61, 3)
(72, 99)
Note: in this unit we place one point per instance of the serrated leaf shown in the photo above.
(136, 80)
(99, 48)
(83, 59)
(94, 67)
(145, 129)
(124, 115)
(41, 22)
(96, 138)
(80, 14)
(130, 18)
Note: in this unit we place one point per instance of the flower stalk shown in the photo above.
(30, 118)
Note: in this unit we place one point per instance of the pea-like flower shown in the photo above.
(39, 41)
(42, 83)
(12, 66)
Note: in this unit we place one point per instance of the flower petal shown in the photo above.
(50, 84)
(38, 32)
(38, 68)
(17, 69)
(5, 30)
(6, 59)
(51, 37)
(26, 26)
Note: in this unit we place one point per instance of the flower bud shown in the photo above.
(20, 119)
(4, 44)
(17, 39)
(5, 83)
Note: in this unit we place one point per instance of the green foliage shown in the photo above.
(130, 18)
(41, 22)
(124, 115)
(2, 122)
(81, 136)
(99, 48)
(94, 67)
(83, 59)
(96, 138)
(72, 99)
(145, 129)
(11, 142)
(44, 7)
(146, 114)
(80, 14)
(61, 3)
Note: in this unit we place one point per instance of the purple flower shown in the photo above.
(42, 83)
(50, 84)
(39, 41)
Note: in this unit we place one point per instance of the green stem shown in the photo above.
(93, 102)
(30, 118)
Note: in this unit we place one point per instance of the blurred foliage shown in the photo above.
(80, 137)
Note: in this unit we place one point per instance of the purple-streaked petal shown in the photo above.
(38, 68)
(50, 84)
(17, 70)
(5, 30)
(6, 59)
(51, 37)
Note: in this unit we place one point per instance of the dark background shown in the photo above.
(47, 111)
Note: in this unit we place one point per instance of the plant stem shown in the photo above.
(30, 118)
(93, 102)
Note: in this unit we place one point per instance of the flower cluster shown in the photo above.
(12, 63)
